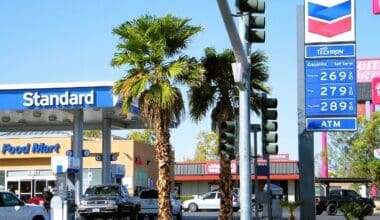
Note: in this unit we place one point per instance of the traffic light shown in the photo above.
(269, 125)
(227, 138)
(247, 9)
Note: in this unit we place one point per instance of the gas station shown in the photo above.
(66, 107)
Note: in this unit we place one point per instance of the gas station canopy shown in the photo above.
(48, 107)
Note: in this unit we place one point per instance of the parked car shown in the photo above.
(209, 201)
(13, 208)
(108, 200)
(149, 204)
(338, 197)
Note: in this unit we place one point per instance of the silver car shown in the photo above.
(13, 208)
(108, 200)
(209, 201)
(149, 204)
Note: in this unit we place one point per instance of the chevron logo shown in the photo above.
(329, 18)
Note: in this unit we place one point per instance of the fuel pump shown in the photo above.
(63, 202)
(117, 173)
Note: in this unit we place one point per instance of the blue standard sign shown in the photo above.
(331, 124)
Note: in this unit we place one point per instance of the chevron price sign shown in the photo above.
(329, 21)
(330, 65)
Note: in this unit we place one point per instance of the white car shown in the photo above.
(13, 208)
(209, 201)
(149, 204)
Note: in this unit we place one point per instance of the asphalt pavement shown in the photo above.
(214, 216)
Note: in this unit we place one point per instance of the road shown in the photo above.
(214, 216)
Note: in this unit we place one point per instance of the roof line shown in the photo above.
(55, 85)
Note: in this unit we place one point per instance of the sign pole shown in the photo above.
(305, 139)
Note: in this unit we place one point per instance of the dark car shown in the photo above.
(108, 200)
(339, 197)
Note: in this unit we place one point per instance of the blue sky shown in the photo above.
(72, 41)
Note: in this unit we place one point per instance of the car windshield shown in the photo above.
(102, 190)
(149, 194)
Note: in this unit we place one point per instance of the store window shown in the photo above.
(141, 178)
(91, 176)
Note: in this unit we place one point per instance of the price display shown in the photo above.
(330, 87)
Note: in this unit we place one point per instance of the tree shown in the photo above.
(146, 136)
(207, 147)
(92, 133)
(363, 162)
(353, 151)
(152, 49)
(217, 92)
(338, 152)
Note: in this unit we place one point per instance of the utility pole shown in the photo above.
(241, 46)
(244, 122)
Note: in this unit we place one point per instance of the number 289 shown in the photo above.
(335, 106)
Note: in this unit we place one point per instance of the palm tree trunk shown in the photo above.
(163, 154)
(225, 184)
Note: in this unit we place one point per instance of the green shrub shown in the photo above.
(291, 206)
(353, 210)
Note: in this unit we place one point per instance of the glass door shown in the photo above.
(12, 186)
(39, 186)
(25, 189)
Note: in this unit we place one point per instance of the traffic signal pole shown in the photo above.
(245, 134)
(244, 121)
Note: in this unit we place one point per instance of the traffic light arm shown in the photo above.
(237, 45)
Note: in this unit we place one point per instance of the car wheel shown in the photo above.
(332, 209)
(38, 218)
(368, 209)
(141, 217)
(319, 211)
(193, 207)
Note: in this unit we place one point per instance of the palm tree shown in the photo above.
(151, 47)
(217, 93)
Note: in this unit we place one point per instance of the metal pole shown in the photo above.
(269, 189)
(325, 168)
(238, 48)
(305, 138)
(244, 122)
(244, 152)
(78, 147)
(255, 128)
(244, 136)
(106, 149)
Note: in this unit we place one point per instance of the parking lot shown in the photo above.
(214, 215)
